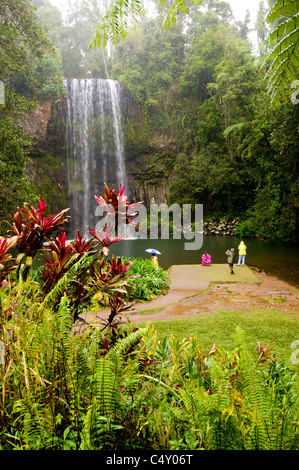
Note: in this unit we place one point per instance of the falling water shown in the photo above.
(95, 145)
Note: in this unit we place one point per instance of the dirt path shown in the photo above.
(196, 291)
(272, 293)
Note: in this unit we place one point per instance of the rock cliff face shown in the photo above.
(47, 165)
(46, 124)
(150, 170)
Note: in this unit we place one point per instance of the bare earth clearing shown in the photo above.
(201, 290)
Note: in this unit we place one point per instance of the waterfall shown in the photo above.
(95, 146)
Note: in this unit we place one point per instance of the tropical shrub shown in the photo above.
(149, 283)
(33, 227)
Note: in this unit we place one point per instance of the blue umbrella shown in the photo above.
(153, 252)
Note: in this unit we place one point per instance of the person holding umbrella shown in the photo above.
(154, 258)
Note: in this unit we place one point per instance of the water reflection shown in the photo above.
(274, 257)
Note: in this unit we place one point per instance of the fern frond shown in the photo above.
(179, 6)
(106, 390)
(257, 400)
(125, 14)
(125, 344)
(282, 8)
(115, 23)
(284, 56)
(234, 128)
(63, 322)
(30, 421)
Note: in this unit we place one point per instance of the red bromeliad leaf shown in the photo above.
(57, 260)
(7, 262)
(36, 218)
(61, 246)
(36, 227)
(119, 266)
(110, 274)
(59, 257)
(82, 245)
(6, 244)
(106, 240)
(42, 207)
(119, 203)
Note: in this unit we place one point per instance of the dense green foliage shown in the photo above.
(62, 390)
(206, 124)
(204, 94)
(29, 71)
(150, 283)
(268, 324)
(121, 15)
(68, 384)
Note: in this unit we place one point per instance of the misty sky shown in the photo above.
(239, 7)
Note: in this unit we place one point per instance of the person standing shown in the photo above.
(230, 259)
(154, 259)
(242, 253)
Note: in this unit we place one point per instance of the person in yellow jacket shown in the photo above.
(154, 259)
(242, 253)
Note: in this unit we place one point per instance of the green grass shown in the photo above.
(267, 326)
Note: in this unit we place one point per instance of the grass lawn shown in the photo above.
(266, 326)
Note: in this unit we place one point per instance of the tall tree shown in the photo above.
(21, 37)
(22, 41)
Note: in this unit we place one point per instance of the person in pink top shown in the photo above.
(206, 259)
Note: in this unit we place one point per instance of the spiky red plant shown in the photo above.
(7, 262)
(33, 227)
(122, 210)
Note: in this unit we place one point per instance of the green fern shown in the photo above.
(125, 14)
(234, 128)
(105, 379)
(125, 344)
(63, 323)
(284, 56)
(103, 403)
(270, 422)
(30, 415)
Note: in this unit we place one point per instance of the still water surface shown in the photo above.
(280, 259)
